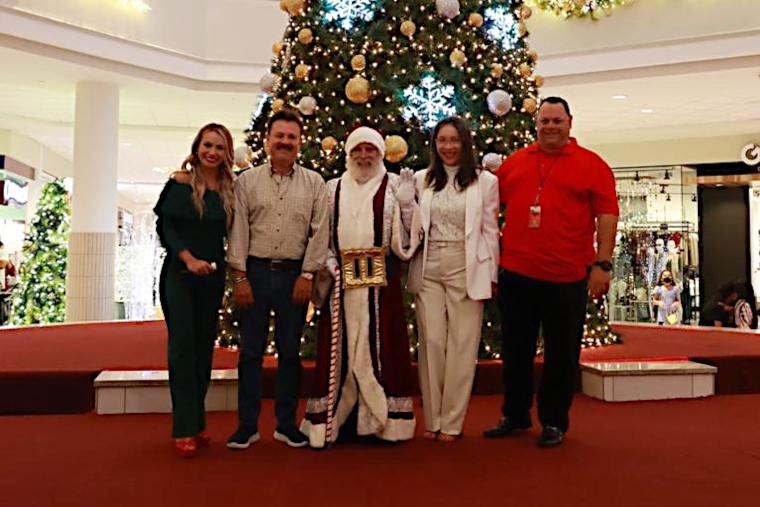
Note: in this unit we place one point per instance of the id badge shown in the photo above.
(534, 217)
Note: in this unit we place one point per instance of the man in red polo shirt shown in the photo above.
(558, 197)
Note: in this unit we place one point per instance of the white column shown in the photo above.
(92, 245)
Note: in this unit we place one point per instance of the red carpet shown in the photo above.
(50, 369)
(678, 453)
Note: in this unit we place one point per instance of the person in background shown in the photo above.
(667, 299)
(4, 262)
(745, 311)
(453, 275)
(719, 311)
(194, 215)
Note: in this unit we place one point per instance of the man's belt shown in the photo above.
(363, 267)
(280, 264)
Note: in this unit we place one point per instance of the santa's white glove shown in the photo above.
(332, 265)
(405, 189)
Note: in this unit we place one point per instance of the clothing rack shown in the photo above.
(662, 227)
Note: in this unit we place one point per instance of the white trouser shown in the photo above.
(449, 325)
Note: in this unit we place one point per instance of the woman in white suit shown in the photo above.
(453, 274)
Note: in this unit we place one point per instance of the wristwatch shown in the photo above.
(605, 265)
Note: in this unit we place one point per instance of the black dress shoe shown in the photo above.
(551, 436)
(506, 427)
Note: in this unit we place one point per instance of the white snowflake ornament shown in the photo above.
(429, 102)
(347, 12)
(501, 26)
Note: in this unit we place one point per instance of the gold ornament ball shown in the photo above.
(524, 69)
(529, 105)
(395, 148)
(357, 90)
(539, 80)
(526, 12)
(497, 70)
(408, 28)
(277, 47)
(305, 36)
(580, 3)
(329, 143)
(523, 29)
(475, 19)
(533, 55)
(358, 62)
(457, 58)
(278, 105)
(295, 7)
(302, 71)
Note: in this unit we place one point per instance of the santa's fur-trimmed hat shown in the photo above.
(365, 135)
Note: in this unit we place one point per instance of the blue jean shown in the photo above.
(272, 290)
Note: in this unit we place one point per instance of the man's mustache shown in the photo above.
(288, 147)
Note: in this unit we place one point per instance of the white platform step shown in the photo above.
(147, 391)
(647, 380)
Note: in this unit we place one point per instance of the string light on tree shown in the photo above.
(429, 102)
(579, 8)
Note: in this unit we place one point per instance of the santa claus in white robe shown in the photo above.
(363, 358)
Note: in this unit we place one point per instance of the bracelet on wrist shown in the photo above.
(238, 280)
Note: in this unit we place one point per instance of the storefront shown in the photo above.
(658, 231)
(14, 198)
(700, 222)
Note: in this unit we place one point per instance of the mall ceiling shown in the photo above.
(158, 121)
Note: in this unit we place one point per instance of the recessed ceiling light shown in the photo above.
(619, 97)
(126, 144)
(647, 111)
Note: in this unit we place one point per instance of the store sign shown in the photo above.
(14, 194)
(751, 154)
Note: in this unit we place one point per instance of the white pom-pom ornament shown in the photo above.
(499, 102)
(447, 8)
(492, 161)
(307, 105)
(269, 82)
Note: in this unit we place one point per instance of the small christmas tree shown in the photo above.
(40, 296)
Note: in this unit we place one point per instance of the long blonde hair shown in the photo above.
(226, 176)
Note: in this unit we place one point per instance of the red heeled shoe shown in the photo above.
(185, 447)
(203, 438)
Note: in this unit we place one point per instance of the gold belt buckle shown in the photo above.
(363, 267)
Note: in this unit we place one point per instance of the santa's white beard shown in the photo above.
(363, 174)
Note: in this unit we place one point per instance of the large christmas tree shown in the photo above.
(40, 296)
(400, 66)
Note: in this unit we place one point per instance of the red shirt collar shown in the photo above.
(568, 149)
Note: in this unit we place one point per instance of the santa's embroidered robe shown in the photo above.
(368, 341)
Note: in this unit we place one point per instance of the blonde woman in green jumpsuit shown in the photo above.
(194, 215)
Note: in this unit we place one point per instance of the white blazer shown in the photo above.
(481, 235)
